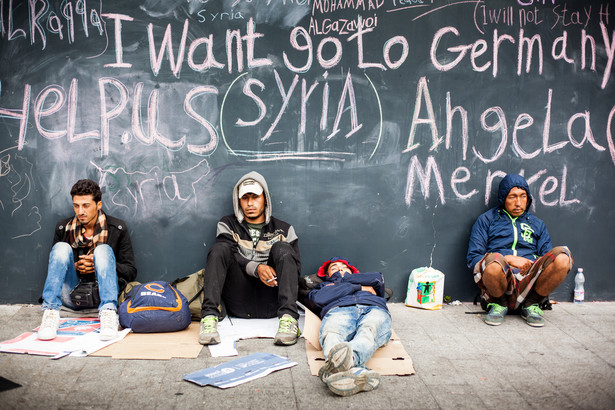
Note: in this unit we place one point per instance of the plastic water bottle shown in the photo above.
(579, 290)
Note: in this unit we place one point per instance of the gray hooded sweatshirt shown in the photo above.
(234, 229)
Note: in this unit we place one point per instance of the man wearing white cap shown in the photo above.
(253, 267)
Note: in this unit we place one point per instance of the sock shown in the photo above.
(502, 300)
(533, 298)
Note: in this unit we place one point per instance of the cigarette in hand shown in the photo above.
(271, 280)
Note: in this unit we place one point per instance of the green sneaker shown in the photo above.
(208, 334)
(288, 331)
(495, 314)
(533, 315)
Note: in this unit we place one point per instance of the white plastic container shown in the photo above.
(579, 286)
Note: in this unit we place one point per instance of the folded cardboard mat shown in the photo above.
(390, 360)
(156, 346)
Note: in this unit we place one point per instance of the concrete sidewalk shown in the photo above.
(460, 363)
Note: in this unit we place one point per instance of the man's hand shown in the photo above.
(518, 262)
(85, 264)
(368, 289)
(267, 275)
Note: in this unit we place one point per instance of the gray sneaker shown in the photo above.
(340, 359)
(353, 381)
(288, 331)
(495, 315)
(208, 334)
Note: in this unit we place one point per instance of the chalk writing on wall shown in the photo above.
(199, 77)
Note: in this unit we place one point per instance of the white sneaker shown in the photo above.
(108, 325)
(49, 325)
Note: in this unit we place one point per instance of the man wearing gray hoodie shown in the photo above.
(253, 267)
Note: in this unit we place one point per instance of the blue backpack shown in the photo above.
(154, 307)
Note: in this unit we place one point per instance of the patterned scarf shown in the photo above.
(74, 233)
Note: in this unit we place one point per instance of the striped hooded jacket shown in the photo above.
(233, 229)
(497, 231)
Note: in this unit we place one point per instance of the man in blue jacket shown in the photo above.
(355, 323)
(512, 258)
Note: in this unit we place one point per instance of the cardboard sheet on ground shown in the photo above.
(390, 360)
(76, 336)
(235, 329)
(156, 346)
(240, 370)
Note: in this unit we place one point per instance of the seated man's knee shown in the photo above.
(562, 251)
(282, 250)
(61, 252)
(282, 247)
(220, 249)
(562, 263)
(493, 269)
(103, 251)
(104, 259)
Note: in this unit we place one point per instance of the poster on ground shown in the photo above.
(239, 371)
(76, 336)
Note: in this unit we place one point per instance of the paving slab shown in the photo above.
(460, 363)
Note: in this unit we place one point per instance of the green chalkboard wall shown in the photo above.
(383, 127)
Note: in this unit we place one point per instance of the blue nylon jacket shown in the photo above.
(346, 291)
(496, 231)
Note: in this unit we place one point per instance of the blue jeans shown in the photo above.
(366, 328)
(62, 277)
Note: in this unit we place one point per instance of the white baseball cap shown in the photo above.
(250, 186)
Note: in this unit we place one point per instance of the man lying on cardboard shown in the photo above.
(355, 323)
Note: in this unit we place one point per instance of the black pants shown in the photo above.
(245, 296)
